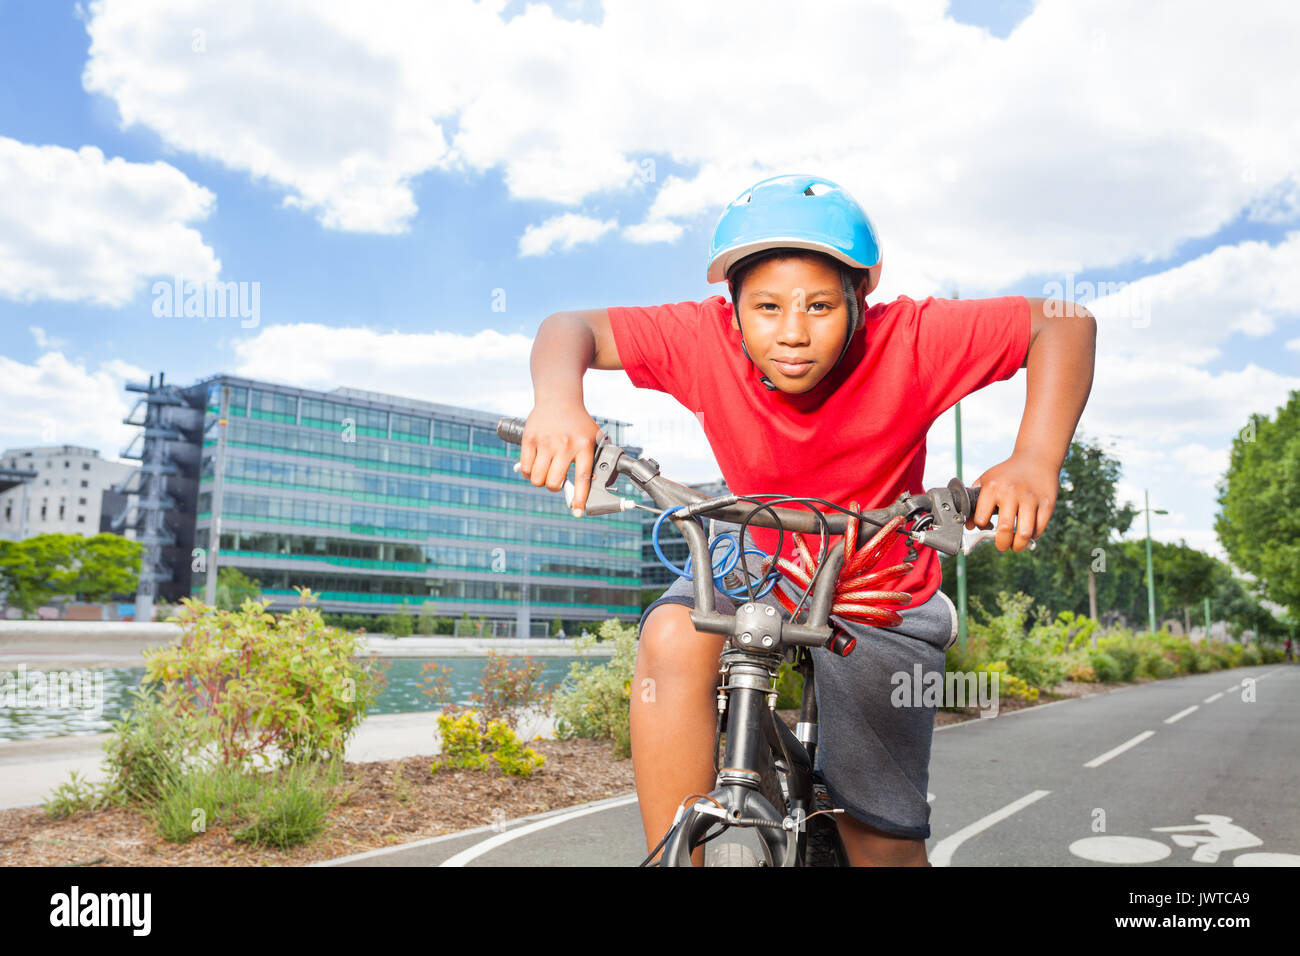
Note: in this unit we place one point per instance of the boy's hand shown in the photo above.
(556, 436)
(1023, 489)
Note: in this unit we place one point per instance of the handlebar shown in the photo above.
(938, 515)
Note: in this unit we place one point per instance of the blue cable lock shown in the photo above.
(719, 573)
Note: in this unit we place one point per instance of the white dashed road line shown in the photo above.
(1098, 761)
(942, 853)
(478, 849)
(1212, 698)
(1182, 713)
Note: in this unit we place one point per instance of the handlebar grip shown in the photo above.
(511, 430)
(974, 493)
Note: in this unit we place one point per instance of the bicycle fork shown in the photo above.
(754, 735)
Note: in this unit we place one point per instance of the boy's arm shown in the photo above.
(559, 430)
(1062, 348)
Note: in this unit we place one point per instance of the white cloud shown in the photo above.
(55, 401)
(75, 227)
(982, 160)
(1185, 315)
(565, 231)
(45, 341)
(660, 230)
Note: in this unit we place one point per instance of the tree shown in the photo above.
(1259, 495)
(108, 566)
(1084, 518)
(40, 568)
(234, 587)
(427, 623)
(1189, 578)
(403, 624)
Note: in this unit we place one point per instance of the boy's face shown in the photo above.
(794, 318)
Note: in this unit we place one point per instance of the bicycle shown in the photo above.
(767, 781)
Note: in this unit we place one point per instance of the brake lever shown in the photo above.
(604, 471)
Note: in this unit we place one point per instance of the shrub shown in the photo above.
(789, 687)
(206, 796)
(467, 748)
(1009, 683)
(74, 795)
(1082, 672)
(292, 807)
(1153, 663)
(1250, 656)
(461, 742)
(1105, 666)
(511, 756)
(594, 699)
(403, 625)
(148, 748)
(262, 683)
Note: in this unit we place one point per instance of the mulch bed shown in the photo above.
(379, 812)
(381, 809)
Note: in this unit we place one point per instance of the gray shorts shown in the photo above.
(873, 757)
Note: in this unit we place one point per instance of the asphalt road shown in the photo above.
(1183, 772)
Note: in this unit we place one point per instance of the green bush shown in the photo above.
(403, 625)
(594, 700)
(200, 798)
(259, 682)
(1106, 667)
(1153, 663)
(1250, 656)
(148, 748)
(292, 808)
(789, 687)
(461, 742)
(467, 748)
(74, 795)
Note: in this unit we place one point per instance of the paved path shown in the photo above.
(1182, 772)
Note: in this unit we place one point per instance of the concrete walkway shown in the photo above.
(51, 645)
(30, 769)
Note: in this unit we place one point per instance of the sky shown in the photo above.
(403, 191)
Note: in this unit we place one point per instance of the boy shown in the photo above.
(802, 390)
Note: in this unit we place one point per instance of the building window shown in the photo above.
(42, 511)
(8, 509)
(60, 510)
(81, 519)
(85, 466)
(81, 501)
(47, 481)
(84, 483)
(67, 464)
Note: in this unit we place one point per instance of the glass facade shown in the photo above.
(376, 502)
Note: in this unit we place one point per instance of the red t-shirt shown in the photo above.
(859, 435)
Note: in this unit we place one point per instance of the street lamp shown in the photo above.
(1151, 579)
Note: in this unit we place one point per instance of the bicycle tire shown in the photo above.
(731, 854)
(823, 847)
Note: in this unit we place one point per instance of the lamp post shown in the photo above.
(961, 557)
(1151, 579)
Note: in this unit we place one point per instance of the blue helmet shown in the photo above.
(797, 212)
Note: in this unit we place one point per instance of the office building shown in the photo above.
(378, 503)
(63, 493)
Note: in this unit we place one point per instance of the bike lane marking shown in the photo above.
(478, 849)
(1116, 751)
(943, 851)
(1182, 713)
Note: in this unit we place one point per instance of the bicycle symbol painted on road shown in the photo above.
(1213, 836)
